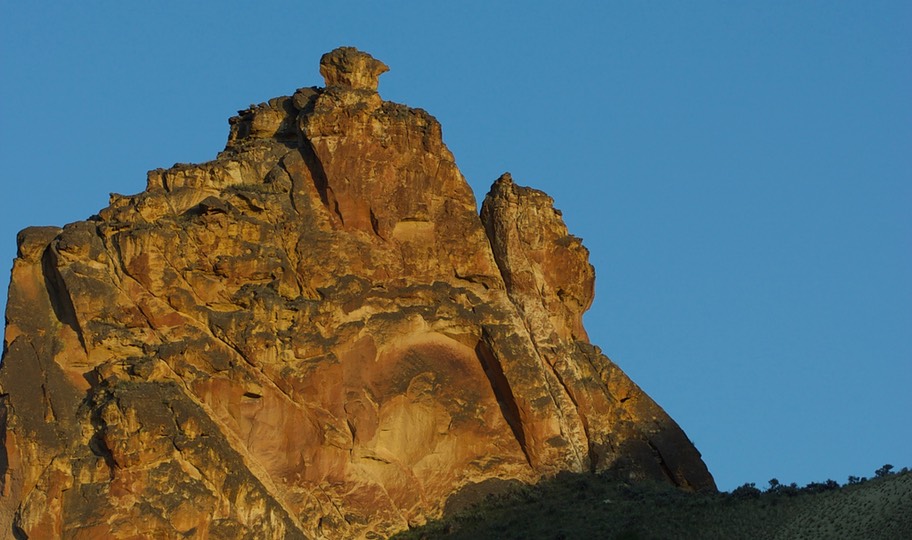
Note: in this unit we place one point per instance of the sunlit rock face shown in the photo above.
(315, 335)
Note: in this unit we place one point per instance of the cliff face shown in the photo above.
(314, 335)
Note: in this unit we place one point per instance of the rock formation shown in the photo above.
(315, 335)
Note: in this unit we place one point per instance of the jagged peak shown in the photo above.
(324, 285)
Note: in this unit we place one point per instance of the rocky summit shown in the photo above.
(315, 335)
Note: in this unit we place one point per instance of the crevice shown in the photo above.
(664, 466)
(565, 429)
(59, 297)
(548, 369)
(375, 458)
(486, 216)
(320, 180)
(569, 392)
(594, 357)
(97, 444)
(584, 420)
(291, 191)
(256, 469)
(354, 434)
(504, 395)
(50, 413)
(332, 503)
(375, 223)
(4, 433)
(221, 335)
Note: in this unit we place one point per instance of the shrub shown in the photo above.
(791, 490)
(818, 487)
(747, 491)
(884, 471)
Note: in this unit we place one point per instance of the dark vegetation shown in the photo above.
(583, 506)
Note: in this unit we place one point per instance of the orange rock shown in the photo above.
(314, 335)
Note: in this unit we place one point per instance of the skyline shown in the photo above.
(741, 177)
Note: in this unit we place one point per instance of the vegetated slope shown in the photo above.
(598, 506)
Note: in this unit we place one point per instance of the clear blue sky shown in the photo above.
(740, 171)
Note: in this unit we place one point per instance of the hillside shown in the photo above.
(582, 506)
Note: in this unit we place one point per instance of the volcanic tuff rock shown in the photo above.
(313, 335)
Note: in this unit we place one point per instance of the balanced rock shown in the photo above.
(351, 68)
(315, 335)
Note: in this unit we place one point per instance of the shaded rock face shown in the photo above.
(312, 336)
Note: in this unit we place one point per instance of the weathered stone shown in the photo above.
(314, 335)
(349, 67)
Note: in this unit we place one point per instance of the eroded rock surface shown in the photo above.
(312, 336)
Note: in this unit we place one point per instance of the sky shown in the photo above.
(741, 173)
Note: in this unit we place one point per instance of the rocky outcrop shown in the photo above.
(312, 336)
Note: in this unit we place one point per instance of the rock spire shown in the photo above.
(314, 335)
(350, 68)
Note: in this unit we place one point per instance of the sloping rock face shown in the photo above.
(313, 336)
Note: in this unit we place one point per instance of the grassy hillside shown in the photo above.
(594, 506)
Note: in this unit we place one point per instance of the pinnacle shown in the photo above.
(350, 68)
